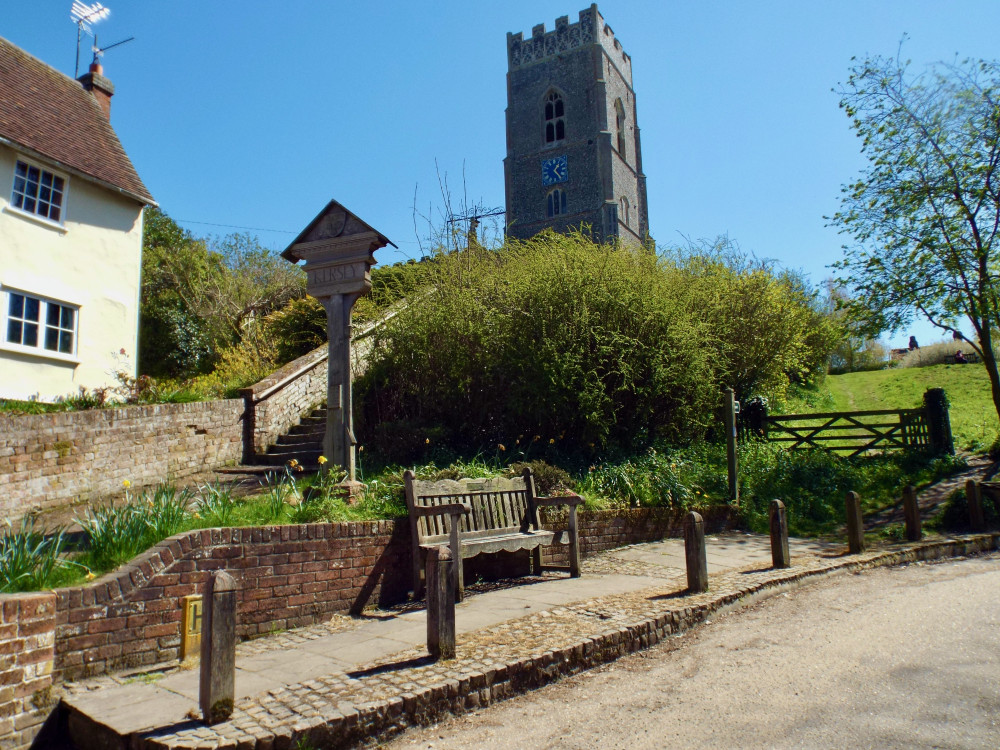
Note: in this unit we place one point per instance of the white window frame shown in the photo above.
(39, 349)
(33, 215)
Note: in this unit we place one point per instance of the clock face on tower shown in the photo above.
(554, 170)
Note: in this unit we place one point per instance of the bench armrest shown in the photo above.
(562, 500)
(440, 510)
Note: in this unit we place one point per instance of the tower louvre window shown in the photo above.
(555, 118)
(555, 203)
(624, 210)
(620, 125)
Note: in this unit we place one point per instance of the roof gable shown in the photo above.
(50, 114)
(333, 222)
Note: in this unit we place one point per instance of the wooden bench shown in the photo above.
(479, 516)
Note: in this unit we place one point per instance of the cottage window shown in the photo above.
(555, 203)
(38, 191)
(555, 118)
(40, 323)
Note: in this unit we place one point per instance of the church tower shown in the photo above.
(573, 155)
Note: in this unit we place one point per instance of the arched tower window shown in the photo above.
(555, 118)
(624, 206)
(555, 203)
(620, 125)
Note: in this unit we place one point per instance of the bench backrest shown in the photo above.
(498, 505)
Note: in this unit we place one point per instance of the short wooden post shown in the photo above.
(217, 689)
(938, 421)
(440, 604)
(730, 419)
(855, 524)
(779, 535)
(974, 499)
(911, 511)
(574, 544)
(694, 551)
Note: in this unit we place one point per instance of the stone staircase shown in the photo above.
(303, 442)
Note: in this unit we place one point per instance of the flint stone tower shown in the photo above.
(573, 155)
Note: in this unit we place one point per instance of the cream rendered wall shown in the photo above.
(92, 261)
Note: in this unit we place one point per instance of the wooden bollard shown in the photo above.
(855, 524)
(779, 535)
(217, 689)
(440, 604)
(974, 498)
(911, 512)
(694, 551)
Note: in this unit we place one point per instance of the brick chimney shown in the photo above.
(99, 86)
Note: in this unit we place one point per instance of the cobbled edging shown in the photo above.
(467, 684)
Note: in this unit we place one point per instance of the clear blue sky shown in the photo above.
(255, 114)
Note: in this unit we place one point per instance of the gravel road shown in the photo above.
(891, 658)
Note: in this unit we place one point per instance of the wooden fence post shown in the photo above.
(938, 421)
(855, 524)
(694, 552)
(779, 535)
(911, 512)
(440, 604)
(217, 688)
(974, 499)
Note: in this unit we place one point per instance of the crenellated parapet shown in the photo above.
(589, 29)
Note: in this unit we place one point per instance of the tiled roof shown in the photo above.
(48, 112)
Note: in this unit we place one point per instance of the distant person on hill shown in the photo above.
(913, 343)
(960, 358)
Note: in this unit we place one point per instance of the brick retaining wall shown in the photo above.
(49, 460)
(279, 400)
(27, 637)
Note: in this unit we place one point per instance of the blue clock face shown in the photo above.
(555, 170)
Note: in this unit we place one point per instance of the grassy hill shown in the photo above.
(973, 418)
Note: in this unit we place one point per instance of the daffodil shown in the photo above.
(126, 484)
(427, 441)
(501, 447)
(90, 576)
(321, 460)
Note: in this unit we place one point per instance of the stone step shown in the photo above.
(300, 438)
(279, 457)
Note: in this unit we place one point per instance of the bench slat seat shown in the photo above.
(486, 542)
(482, 516)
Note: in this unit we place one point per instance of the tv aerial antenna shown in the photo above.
(84, 16)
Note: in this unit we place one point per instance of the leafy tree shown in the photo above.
(173, 339)
(200, 298)
(924, 213)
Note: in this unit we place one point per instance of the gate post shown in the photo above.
(938, 422)
(730, 419)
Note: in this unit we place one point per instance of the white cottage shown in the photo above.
(70, 232)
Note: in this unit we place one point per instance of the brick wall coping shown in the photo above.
(285, 375)
(86, 417)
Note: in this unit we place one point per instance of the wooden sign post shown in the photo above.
(339, 251)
